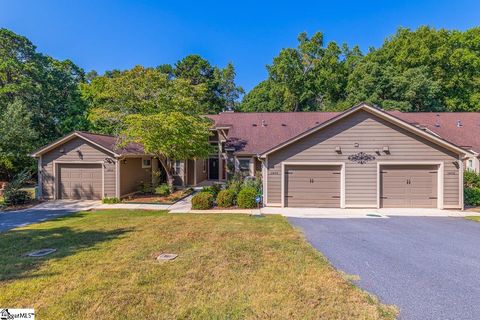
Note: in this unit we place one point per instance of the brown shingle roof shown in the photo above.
(254, 133)
(110, 143)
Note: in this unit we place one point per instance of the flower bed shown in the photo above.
(157, 199)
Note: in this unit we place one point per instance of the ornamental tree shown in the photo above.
(169, 136)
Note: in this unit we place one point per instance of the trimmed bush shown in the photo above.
(253, 182)
(162, 190)
(471, 179)
(235, 183)
(16, 197)
(202, 201)
(246, 198)
(214, 190)
(472, 196)
(225, 198)
(110, 200)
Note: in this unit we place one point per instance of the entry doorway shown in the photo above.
(213, 164)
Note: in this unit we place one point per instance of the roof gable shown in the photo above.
(381, 114)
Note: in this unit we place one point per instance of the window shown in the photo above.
(146, 163)
(470, 163)
(177, 167)
(204, 165)
(244, 166)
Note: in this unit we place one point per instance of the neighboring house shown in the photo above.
(363, 157)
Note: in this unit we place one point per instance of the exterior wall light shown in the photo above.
(338, 149)
(386, 149)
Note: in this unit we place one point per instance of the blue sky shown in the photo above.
(104, 35)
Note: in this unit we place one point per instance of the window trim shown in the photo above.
(144, 166)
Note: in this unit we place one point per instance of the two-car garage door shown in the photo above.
(79, 181)
(401, 186)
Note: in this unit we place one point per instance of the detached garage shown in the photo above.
(364, 158)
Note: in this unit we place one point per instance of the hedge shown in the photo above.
(226, 198)
(202, 201)
(246, 198)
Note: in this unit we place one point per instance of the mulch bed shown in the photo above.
(156, 199)
(20, 207)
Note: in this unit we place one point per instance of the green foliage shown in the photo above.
(145, 188)
(235, 183)
(112, 200)
(255, 183)
(214, 190)
(422, 70)
(226, 198)
(163, 190)
(246, 198)
(472, 196)
(13, 195)
(471, 179)
(17, 138)
(47, 91)
(202, 201)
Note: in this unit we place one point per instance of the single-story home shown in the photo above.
(364, 157)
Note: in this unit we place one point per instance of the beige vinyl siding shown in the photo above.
(132, 175)
(371, 133)
(76, 150)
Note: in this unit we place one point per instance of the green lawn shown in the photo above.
(474, 218)
(230, 266)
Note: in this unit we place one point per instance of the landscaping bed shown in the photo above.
(171, 198)
(229, 266)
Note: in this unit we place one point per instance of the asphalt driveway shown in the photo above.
(428, 267)
(45, 211)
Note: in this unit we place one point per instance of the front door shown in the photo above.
(213, 168)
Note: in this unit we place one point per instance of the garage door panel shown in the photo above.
(312, 186)
(409, 186)
(80, 181)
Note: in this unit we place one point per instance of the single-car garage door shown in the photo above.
(408, 186)
(312, 186)
(80, 181)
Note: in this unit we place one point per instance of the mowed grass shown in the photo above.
(474, 218)
(230, 266)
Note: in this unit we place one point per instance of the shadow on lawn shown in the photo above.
(15, 244)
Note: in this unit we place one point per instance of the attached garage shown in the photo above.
(313, 186)
(409, 186)
(80, 181)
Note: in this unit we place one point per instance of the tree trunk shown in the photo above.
(168, 171)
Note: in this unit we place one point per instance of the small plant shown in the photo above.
(145, 188)
(214, 190)
(13, 195)
(235, 183)
(111, 200)
(253, 182)
(202, 201)
(246, 198)
(163, 190)
(472, 196)
(226, 198)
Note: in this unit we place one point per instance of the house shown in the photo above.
(363, 157)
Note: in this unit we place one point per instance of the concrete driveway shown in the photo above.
(44, 211)
(429, 267)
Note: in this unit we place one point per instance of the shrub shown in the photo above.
(202, 201)
(252, 182)
(235, 183)
(472, 196)
(145, 188)
(471, 179)
(15, 197)
(214, 190)
(162, 190)
(226, 198)
(110, 200)
(246, 198)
